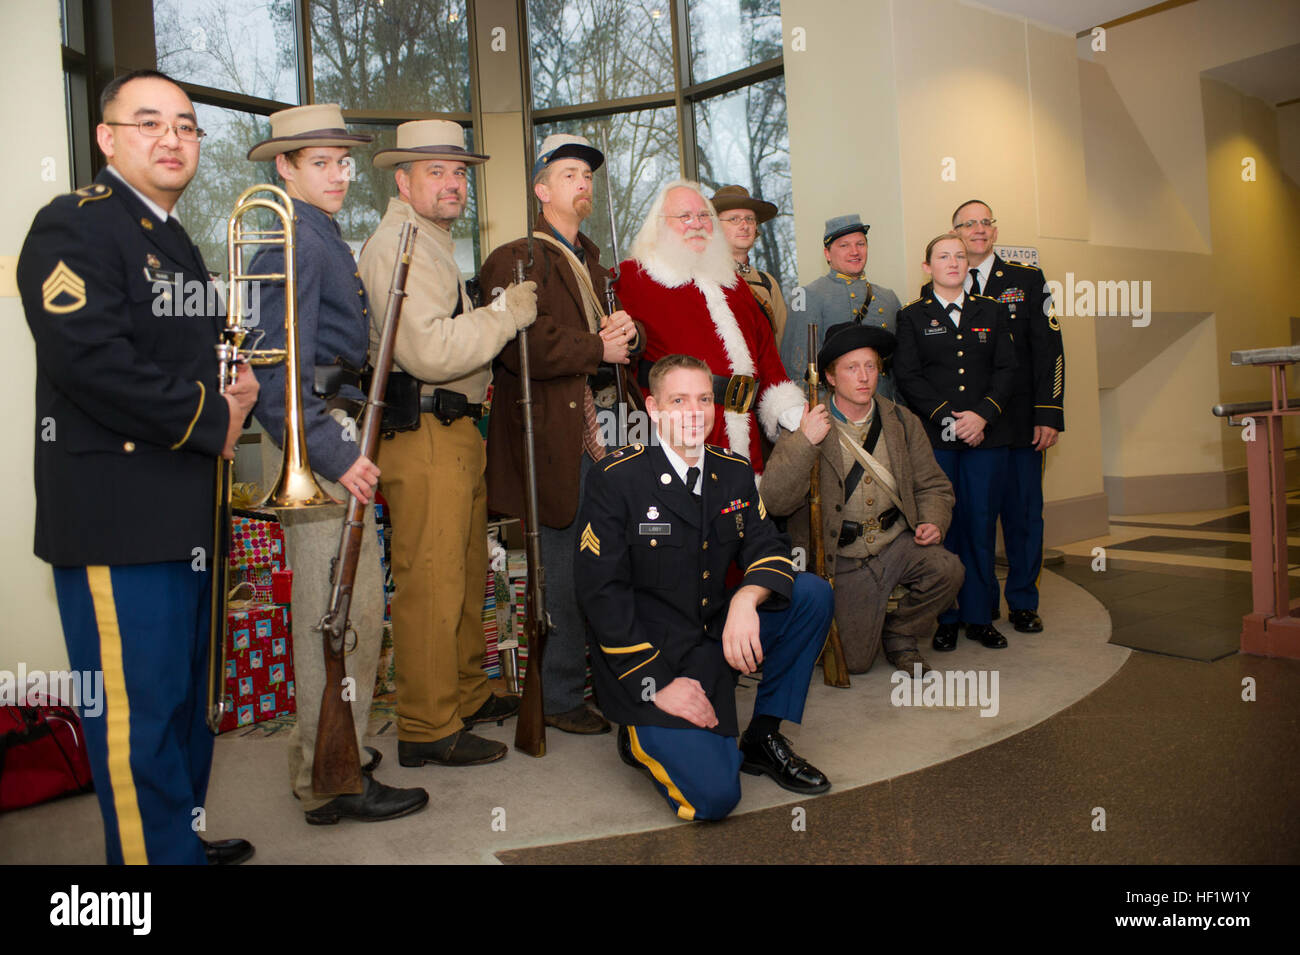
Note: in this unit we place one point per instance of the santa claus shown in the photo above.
(680, 284)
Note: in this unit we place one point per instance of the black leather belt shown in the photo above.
(447, 406)
(736, 393)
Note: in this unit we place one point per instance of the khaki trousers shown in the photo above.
(433, 480)
(311, 540)
(932, 576)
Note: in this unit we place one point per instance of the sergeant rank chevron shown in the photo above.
(589, 541)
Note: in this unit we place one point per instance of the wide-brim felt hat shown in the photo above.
(301, 126)
(843, 225)
(428, 139)
(738, 197)
(850, 336)
(562, 145)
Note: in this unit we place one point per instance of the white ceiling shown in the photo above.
(1072, 16)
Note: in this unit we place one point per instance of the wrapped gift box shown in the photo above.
(259, 665)
(256, 553)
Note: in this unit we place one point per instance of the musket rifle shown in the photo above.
(530, 731)
(336, 766)
(833, 667)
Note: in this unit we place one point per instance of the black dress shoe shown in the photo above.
(458, 749)
(625, 748)
(945, 638)
(370, 765)
(1025, 621)
(227, 851)
(986, 634)
(495, 709)
(375, 803)
(773, 756)
(582, 720)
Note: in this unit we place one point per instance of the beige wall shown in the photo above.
(1116, 165)
(31, 77)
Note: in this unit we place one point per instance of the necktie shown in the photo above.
(692, 475)
(954, 313)
(974, 281)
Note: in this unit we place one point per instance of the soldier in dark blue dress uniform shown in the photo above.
(130, 423)
(955, 365)
(1036, 409)
(661, 527)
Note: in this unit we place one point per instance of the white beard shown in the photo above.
(672, 263)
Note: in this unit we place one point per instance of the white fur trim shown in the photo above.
(724, 323)
(776, 400)
(737, 432)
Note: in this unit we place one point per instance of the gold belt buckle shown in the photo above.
(739, 396)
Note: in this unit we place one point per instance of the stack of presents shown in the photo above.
(259, 644)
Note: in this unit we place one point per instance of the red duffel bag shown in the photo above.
(42, 755)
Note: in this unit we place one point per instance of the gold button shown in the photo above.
(704, 602)
(871, 540)
(713, 475)
(870, 502)
(361, 291)
(851, 295)
(573, 404)
(128, 447)
(704, 546)
(356, 275)
(867, 480)
(960, 353)
(706, 575)
(958, 338)
(653, 542)
(741, 534)
(961, 387)
(961, 371)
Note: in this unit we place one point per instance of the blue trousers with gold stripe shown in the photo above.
(1021, 510)
(146, 626)
(698, 771)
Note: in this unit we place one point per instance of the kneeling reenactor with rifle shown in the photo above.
(885, 503)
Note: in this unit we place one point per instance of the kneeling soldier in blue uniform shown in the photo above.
(661, 526)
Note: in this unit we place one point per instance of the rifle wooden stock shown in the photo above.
(530, 732)
(336, 766)
(833, 667)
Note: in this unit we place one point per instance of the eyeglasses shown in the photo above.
(156, 130)
(972, 223)
(686, 218)
(739, 220)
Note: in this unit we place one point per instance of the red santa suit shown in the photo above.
(723, 326)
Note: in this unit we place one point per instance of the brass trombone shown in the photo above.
(297, 486)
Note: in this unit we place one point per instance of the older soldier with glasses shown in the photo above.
(1036, 408)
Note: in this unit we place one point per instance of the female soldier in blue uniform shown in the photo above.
(955, 365)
